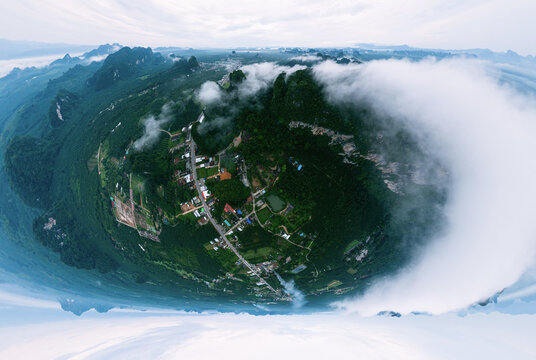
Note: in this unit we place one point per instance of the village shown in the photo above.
(194, 172)
(198, 175)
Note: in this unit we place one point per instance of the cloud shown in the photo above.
(152, 127)
(298, 298)
(230, 336)
(9, 298)
(96, 58)
(261, 75)
(209, 93)
(307, 58)
(483, 132)
(40, 61)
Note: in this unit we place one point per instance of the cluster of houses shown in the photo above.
(295, 163)
(267, 266)
(197, 209)
(217, 243)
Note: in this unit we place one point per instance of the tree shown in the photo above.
(230, 191)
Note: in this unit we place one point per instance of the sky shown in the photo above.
(453, 24)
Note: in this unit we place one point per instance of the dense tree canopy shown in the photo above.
(230, 191)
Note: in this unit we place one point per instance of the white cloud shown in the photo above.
(153, 127)
(307, 58)
(96, 58)
(484, 134)
(8, 298)
(40, 61)
(261, 75)
(298, 298)
(209, 93)
(237, 337)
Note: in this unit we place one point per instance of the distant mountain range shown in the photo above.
(484, 54)
(21, 49)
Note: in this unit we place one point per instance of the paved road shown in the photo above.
(214, 223)
(240, 222)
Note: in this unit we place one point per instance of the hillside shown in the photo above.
(134, 176)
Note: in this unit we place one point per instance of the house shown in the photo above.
(186, 206)
(188, 178)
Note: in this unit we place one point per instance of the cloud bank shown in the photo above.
(298, 298)
(307, 58)
(153, 127)
(483, 132)
(209, 93)
(131, 336)
(39, 61)
(259, 76)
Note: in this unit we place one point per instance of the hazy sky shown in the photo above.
(495, 24)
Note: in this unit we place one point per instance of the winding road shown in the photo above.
(214, 223)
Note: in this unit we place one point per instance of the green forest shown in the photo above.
(73, 148)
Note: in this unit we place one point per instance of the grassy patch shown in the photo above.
(228, 162)
(275, 203)
(260, 254)
(263, 215)
(206, 172)
(351, 245)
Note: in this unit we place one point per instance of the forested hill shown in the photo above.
(78, 157)
(54, 140)
(123, 64)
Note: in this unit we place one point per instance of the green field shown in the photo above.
(263, 215)
(260, 254)
(275, 203)
(228, 162)
(206, 172)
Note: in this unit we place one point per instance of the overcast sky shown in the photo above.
(496, 24)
